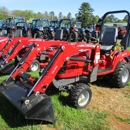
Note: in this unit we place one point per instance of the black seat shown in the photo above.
(108, 38)
(59, 34)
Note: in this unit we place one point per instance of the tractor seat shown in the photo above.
(59, 34)
(108, 38)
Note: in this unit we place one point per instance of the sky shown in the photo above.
(65, 6)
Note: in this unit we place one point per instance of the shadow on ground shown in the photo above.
(102, 82)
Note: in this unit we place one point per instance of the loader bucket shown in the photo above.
(6, 68)
(39, 106)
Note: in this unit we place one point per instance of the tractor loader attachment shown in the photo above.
(6, 67)
(10, 51)
(30, 98)
(13, 48)
(37, 106)
(3, 42)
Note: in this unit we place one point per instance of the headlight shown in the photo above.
(41, 28)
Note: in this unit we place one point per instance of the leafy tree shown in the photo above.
(73, 19)
(55, 17)
(29, 14)
(4, 12)
(18, 13)
(126, 18)
(69, 15)
(1, 16)
(92, 19)
(60, 16)
(39, 15)
(51, 15)
(111, 19)
(85, 14)
(45, 15)
(65, 17)
(96, 18)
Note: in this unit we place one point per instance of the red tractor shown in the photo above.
(121, 30)
(115, 64)
(68, 67)
(10, 52)
(73, 57)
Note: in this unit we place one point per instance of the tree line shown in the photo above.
(84, 15)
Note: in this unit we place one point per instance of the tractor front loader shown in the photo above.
(64, 70)
(16, 49)
(3, 42)
(9, 52)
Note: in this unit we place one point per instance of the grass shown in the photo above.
(123, 119)
(127, 95)
(74, 119)
(68, 118)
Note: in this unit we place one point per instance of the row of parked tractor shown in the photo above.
(63, 64)
(43, 28)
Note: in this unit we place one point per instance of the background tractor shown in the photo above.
(9, 26)
(121, 30)
(41, 29)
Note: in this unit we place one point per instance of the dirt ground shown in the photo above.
(116, 102)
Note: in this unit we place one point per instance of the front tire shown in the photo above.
(80, 95)
(35, 66)
(121, 76)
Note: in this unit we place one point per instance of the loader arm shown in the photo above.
(63, 54)
(16, 50)
(3, 42)
(36, 52)
(12, 44)
(7, 46)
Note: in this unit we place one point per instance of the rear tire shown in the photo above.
(121, 76)
(80, 95)
(74, 36)
(65, 36)
(38, 34)
(52, 35)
